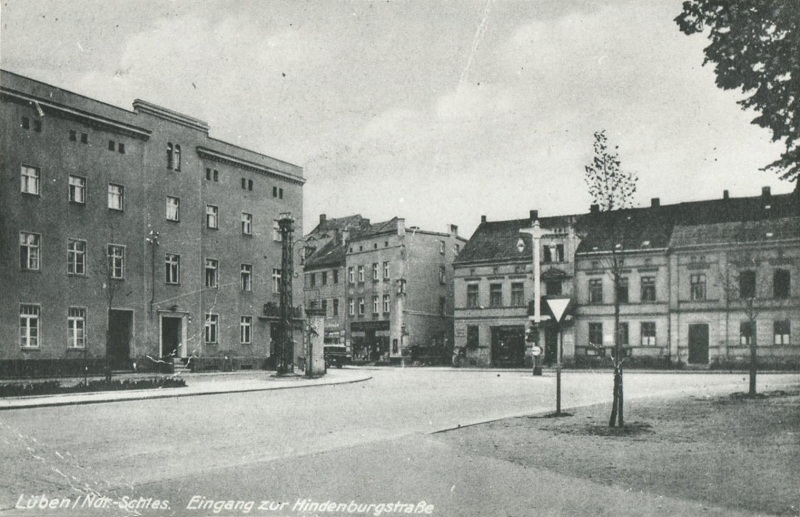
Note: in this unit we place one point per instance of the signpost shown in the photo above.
(558, 307)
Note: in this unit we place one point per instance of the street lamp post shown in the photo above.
(285, 364)
(536, 233)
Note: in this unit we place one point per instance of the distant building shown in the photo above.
(494, 287)
(136, 223)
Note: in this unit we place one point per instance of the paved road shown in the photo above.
(250, 445)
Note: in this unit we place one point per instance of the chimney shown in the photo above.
(453, 230)
(725, 194)
(322, 219)
(655, 202)
(483, 219)
(765, 192)
(401, 226)
(534, 215)
(595, 208)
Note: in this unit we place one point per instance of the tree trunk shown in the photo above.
(621, 400)
(614, 404)
(753, 366)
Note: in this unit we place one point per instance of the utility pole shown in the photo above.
(536, 233)
(285, 349)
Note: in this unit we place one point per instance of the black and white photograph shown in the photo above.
(373, 258)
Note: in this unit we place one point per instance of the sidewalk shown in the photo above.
(196, 385)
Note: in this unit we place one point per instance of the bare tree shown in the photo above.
(612, 189)
(107, 265)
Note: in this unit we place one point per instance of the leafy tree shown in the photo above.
(612, 189)
(755, 46)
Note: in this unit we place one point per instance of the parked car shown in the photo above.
(336, 355)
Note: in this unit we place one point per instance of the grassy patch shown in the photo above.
(56, 387)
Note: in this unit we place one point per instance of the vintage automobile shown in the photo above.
(336, 355)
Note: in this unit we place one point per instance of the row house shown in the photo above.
(131, 236)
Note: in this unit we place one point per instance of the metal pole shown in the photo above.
(558, 370)
(285, 334)
(537, 296)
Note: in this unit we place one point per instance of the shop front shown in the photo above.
(370, 341)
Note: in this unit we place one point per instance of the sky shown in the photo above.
(438, 111)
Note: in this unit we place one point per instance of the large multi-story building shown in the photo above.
(398, 293)
(493, 287)
(133, 234)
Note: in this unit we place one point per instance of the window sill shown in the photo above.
(77, 275)
(80, 204)
(30, 348)
(173, 220)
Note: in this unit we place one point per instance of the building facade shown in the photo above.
(132, 236)
(493, 289)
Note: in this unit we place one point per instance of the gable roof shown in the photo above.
(746, 232)
(351, 222)
(331, 254)
(389, 226)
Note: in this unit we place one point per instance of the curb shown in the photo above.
(150, 395)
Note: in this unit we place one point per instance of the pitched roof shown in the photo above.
(765, 231)
(377, 228)
(331, 254)
(350, 222)
(496, 241)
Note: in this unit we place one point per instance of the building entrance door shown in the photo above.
(550, 345)
(508, 346)
(171, 331)
(698, 343)
(120, 333)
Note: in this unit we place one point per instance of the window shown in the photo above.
(596, 290)
(216, 176)
(442, 275)
(386, 303)
(73, 135)
(84, 138)
(386, 270)
(247, 223)
(553, 287)
(276, 280)
(442, 306)
(360, 273)
(212, 216)
(280, 193)
(782, 332)
(247, 277)
(324, 278)
(596, 334)
(781, 283)
(648, 333)
(211, 328)
(37, 126)
(245, 329)
(77, 189)
(176, 158)
(120, 148)
(76, 257)
(472, 296)
(325, 307)
(648, 288)
(623, 334)
(335, 276)
(351, 307)
(697, 290)
(312, 279)
(244, 183)
(375, 275)
(376, 305)
(115, 197)
(495, 295)
(249, 184)
(473, 340)
(351, 277)
(26, 123)
(518, 294)
(29, 251)
(747, 284)
(111, 145)
(29, 177)
(274, 191)
(442, 245)
(747, 332)
(553, 253)
(169, 155)
(29, 326)
(172, 268)
(208, 174)
(361, 307)
(276, 231)
(622, 290)
(173, 209)
(335, 307)
(116, 261)
(212, 273)
(76, 327)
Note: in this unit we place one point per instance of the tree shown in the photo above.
(612, 189)
(755, 46)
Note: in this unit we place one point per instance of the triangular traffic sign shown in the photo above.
(558, 306)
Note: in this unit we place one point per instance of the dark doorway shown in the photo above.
(698, 344)
(550, 345)
(170, 336)
(120, 332)
(508, 346)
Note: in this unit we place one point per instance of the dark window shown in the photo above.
(26, 123)
(37, 126)
(84, 138)
(623, 334)
(442, 306)
(244, 183)
(518, 294)
(649, 333)
(249, 184)
(280, 193)
(783, 333)
(648, 288)
(596, 290)
(216, 175)
(169, 155)
(747, 332)
(177, 157)
(111, 145)
(472, 296)
(335, 276)
(747, 284)
(473, 340)
(121, 148)
(622, 290)
(274, 191)
(698, 286)
(781, 283)
(312, 279)
(208, 174)
(596, 334)
(495, 295)
(553, 287)
(73, 135)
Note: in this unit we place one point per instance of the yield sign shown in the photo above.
(558, 306)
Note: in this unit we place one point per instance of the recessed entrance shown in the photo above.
(508, 346)
(120, 332)
(698, 343)
(172, 336)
